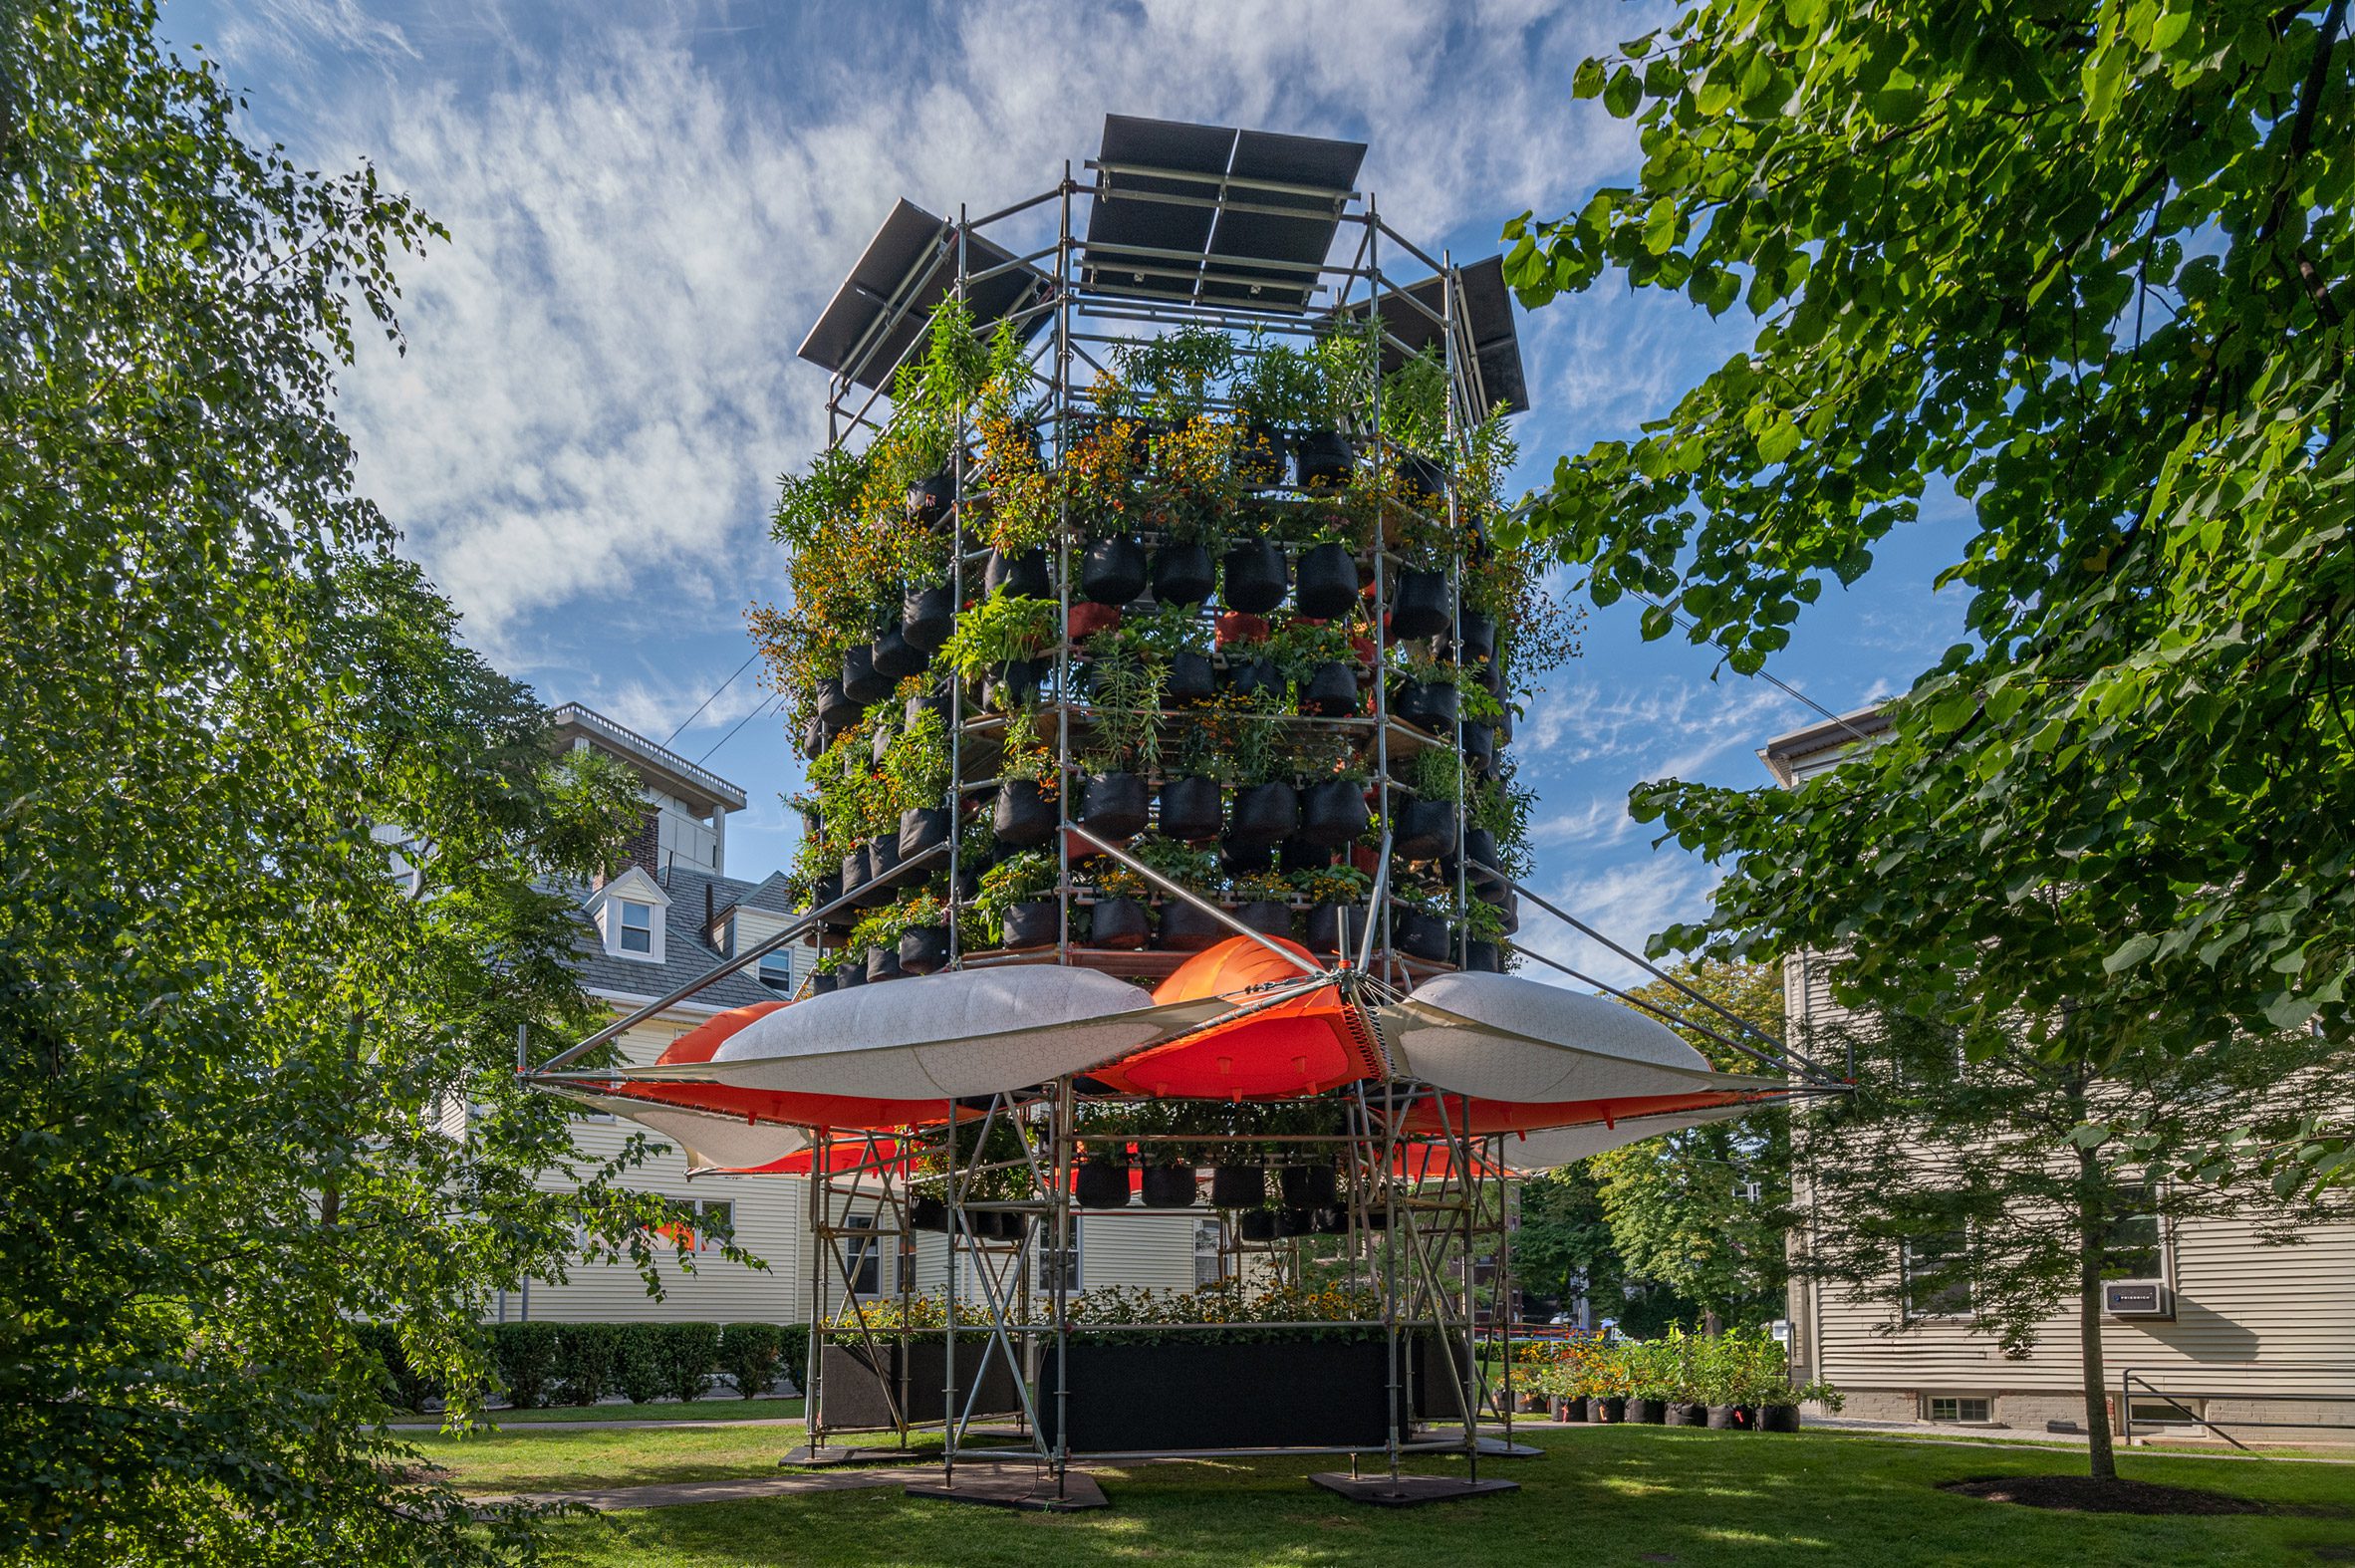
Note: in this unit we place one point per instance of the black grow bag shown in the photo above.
(1430, 707)
(1333, 813)
(1335, 927)
(1266, 916)
(1258, 1224)
(1259, 459)
(1331, 692)
(1102, 1184)
(1425, 830)
(1323, 459)
(853, 972)
(1119, 923)
(924, 949)
(926, 617)
(1168, 1186)
(1247, 677)
(1420, 936)
(1252, 577)
(1186, 929)
(1012, 685)
(1190, 679)
(1309, 1186)
(854, 1380)
(1171, 1392)
(1475, 638)
(918, 707)
(1419, 605)
(1115, 805)
(1264, 815)
(927, 1214)
(1190, 809)
(813, 738)
(1024, 574)
(857, 873)
(1326, 582)
(1483, 957)
(1183, 575)
(921, 829)
(1238, 1186)
(862, 683)
(1113, 571)
(1480, 747)
(929, 497)
(894, 658)
(883, 965)
(821, 984)
(1023, 816)
(835, 710)
(883, 858)
(1479, 847)
(1034, 925)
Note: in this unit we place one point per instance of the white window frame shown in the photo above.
(784, 960)
(1044, 1254)
(724, 1206)
(1906, 1307)
(862, 1254)
(623, 928)
(1986, 1415)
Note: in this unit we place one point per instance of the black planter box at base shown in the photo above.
(1420, 605)
(1023, 816)
(1253, 578)
(1611, 1408)
(1237, 1186)
(924, 949)
(1645, 1412)
(1326, 582)
(1333, 812)
(1730, 1418)
(1425, 830)
(1190, 809)
(926, 617)
(1778, 1418)
(1573, 1409)
(1186, 929)
(1024, 574)
(1033, 925)
(1183, 575)
(1331, 692)
(854, 1380)
(1264, 815)
(1172, 1393)
(1119, 923)
(1168, 1187)
(1192, 679)
(1688, 1415)
(1112, 572)
(1102, 1184)
(1115, 805)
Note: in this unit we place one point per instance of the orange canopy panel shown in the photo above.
(1301, 1045)
(841, 1155)
(775, 1105)
(1510, 1115)
(700, 1043)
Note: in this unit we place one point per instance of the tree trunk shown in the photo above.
(2101, 1461)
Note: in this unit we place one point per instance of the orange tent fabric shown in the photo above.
(1507, 1116)
(1303, 1045)
(704, 1041)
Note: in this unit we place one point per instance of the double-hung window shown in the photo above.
(1937, 1275)
(638, 928)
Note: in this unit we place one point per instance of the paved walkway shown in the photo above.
(510, 1428)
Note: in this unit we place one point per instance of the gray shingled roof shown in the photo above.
(684, 952)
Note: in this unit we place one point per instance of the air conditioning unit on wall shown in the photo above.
(2138, 1299)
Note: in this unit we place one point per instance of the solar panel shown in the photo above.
(1488, 309)
(909, 266)
(1214, 242)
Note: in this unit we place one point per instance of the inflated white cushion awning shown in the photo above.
(710, 1140)
(1532, 1153)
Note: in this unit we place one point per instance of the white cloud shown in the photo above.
(1627, 902)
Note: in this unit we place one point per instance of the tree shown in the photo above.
(2087, 265)
(1706, 1211)
(239, 1054)
(1994, 1184)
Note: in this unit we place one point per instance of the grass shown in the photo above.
(653, 1409)
(1606, 1495)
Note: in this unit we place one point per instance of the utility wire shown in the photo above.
(714, 698)
(732, 734)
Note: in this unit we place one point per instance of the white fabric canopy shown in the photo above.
(1531, 1152)
(1500, 1037)
(971, 1032)
(710, 1140)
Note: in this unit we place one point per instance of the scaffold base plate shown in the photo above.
(1014, 1489)
(1407, 1491)
(806, 1457)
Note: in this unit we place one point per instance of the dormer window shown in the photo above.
(636, 927)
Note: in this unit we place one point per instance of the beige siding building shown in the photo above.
(2252, 1330)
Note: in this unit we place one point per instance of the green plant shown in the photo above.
(528, 1359)
(1124, 689)
(1298, 647)
(999, 630)
(1196, 871)
(831, 491)
(638, 1371)
(1250, 885)
(1345, 362)
(588, 1356)
(1342, 883)
(750, 1354)
(687, 1353)
(1023, 877)
(916, 761)
(1435, 773)
(1025, 756)
(1414, 405)
(1277, 384)
(1168, 378)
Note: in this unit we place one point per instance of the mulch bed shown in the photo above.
(2081, 1495)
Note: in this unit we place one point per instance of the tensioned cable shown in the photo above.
(714, 698)
(732, 734)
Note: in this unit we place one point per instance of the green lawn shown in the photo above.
(656, 1410)
(1605, 1495)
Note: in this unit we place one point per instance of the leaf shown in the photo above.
(2130, 952)
(1622, 94)
(1779, 440)
(1587, 79)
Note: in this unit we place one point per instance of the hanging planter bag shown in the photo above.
(927, 1214)
(1192, 679)
(821, 984)
(1115, 805)
(1298, 854)
(1183, 575)
(1428, 706)
(1331, 692)
(1266, 916)
(1023, 816)
(1309, 1186)
(1475, 638)
(835, 710)
(1259, 459)
(1257, 1224)
(924, 949)
(1186, 929)
(1102, 1184)
(813, 738)
(1420, 936)
(1332, 1221)
(1035, 925)
(883, 858)
(879, 745)
(1335, 927)
(1291, 1222)
(852, 972)
(1168, 1187)
(1425, 830)
(1113, 571)
(1119, 923)
(1024, 574)
(893, 655)
(1480, 747)
(1483, 956)
(1479, 847)
(1012, 684)
(1252, 577)
(1425, 480)
(918, 707)
(883, 965)
(862, 683)
(1420, 606)
(921, 828)
(1326, 582)
(856, 874)
(1324, 459)
(926, 617)
(1190, 809)
(929, 497)
(1251, 677)
(1333, 813)
(1238, 1186)
(1264, 815)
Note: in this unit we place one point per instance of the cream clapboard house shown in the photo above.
(669, 915)
(2248, 1327)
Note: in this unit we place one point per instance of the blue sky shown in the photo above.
(648, 204)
